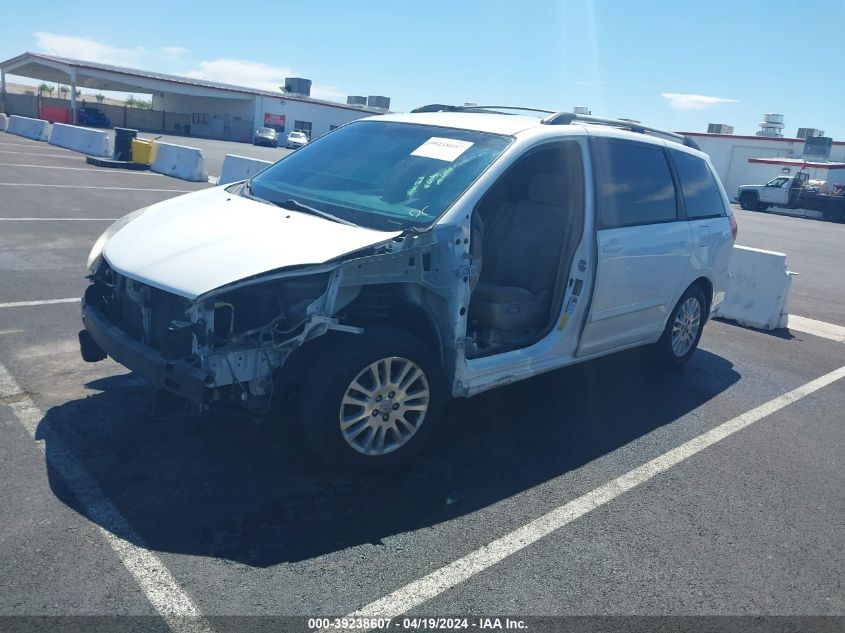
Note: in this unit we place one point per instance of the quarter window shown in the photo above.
(702, 197)
(634, 184)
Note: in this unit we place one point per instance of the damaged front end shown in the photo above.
(223, 347)
(226, 347)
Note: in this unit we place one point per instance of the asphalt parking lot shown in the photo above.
(526, 507)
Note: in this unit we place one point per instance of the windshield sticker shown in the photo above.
(447, 149)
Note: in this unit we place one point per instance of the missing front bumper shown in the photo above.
(176, 377)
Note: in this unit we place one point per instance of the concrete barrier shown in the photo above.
(91, 142)
(187, 163)
(758, 296)
(30, 128)
(237, 168)
(4, 121)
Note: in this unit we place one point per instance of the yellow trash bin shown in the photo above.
(142, 151)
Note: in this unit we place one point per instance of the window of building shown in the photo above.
(702, 197)
(200, 119)
(635, 184)
(303, 126)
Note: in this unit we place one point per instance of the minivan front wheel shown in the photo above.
(370, 402)
(683, 329)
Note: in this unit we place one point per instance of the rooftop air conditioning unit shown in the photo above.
(720, 128)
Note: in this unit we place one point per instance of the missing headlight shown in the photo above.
(278, 305)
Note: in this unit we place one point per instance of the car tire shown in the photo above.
(748, 201)
(373, 401)
(683, 329)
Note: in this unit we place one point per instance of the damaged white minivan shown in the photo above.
(404, 259)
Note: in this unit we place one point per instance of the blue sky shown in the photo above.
(677, 65)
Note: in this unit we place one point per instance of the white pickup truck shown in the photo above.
(791, 193)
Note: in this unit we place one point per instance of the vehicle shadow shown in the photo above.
(780, 332)
(255, 494)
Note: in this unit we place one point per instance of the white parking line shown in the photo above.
(447, 577)
(38, 184)
(816, 328)
(58, 219)
(34, 144)
(45, 302)
(104, 171)
(161, 589)
(8, 151)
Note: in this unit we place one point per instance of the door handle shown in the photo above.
(612, 246)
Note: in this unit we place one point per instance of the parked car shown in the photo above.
(405, 259)
(266, 136)
(296, 140)
(92, 117)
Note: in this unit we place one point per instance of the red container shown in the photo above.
(56, 114)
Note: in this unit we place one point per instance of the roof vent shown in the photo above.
(771, 126)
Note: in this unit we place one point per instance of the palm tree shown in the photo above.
(42, 88)
(63, 90)
(99, 97)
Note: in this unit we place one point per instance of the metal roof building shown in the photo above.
(182, 104)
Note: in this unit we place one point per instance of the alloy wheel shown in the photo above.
(686, 326)
(384, 406)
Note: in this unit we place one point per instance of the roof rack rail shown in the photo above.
(436, 107)
(491, 109)
(567, 118)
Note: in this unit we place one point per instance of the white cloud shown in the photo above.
(89, 49)
(241, 72)
(680, 101)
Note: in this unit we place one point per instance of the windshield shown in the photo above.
(382, 175)
(777, 182)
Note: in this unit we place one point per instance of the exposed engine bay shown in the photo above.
(233, 340)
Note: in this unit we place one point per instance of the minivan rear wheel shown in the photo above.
(372, 402)
(683, 329)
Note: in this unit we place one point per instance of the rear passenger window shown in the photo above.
(702, 197)
(634, 184)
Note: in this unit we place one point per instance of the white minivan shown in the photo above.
(404, 259)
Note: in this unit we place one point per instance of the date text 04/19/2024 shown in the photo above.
(416, 623)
